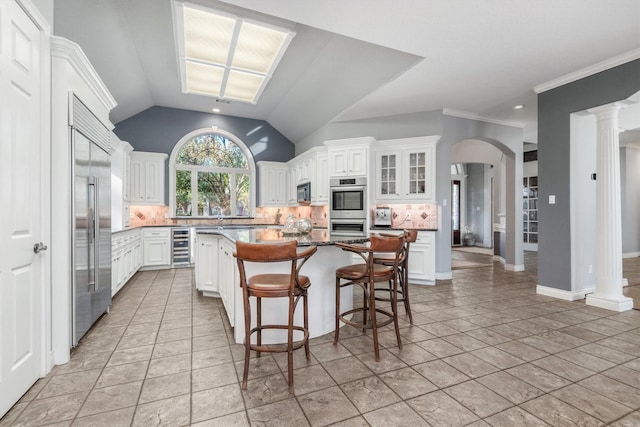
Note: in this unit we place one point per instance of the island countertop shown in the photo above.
(317, 237)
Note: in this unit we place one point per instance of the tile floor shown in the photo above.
(484, 350)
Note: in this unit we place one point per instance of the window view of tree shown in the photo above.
(212, 174)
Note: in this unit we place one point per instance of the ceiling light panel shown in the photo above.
(207, 36)
(243, 86)
(226, 56)
(257, 47)
(203, 79)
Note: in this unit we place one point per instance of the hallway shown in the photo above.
(484, 350)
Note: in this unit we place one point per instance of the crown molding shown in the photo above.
(588, 71)
(472, 116)
(72, 53)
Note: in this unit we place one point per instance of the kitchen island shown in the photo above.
(217, 276)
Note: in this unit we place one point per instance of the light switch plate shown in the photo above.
(552, 199)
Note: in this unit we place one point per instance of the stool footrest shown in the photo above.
(278, 347)
(361, 325)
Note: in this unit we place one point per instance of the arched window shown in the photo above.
(212, 173)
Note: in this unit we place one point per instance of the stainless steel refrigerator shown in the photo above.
(91, 291)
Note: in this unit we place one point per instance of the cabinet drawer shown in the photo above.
(156, 232)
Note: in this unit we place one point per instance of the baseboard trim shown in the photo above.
(619, 305)
(630, 254)
(514, 267)
(562, 294)
(444, 276)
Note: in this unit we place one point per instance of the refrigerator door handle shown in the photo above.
(93, 248)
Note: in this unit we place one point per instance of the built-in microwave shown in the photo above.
(348, 198)
(304, 193)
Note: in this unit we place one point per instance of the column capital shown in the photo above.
(607, 110)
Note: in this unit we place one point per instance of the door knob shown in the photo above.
(39, 247)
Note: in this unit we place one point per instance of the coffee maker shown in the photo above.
(382, 217)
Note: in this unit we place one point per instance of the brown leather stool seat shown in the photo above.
(365, 276)
(410, 236)
(292, 286)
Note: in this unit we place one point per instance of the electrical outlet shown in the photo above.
(408, 217)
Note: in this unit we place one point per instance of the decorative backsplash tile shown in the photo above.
(421, 216)
(159, 215)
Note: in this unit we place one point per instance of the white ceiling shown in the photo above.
(364, 58)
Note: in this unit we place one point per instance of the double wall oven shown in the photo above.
(348, 206)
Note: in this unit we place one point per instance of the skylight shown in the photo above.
(226, 56)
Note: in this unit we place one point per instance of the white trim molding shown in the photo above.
(562, 294)
(444, 276)
(472, 116)
(630, 254)
(514, 267)
(588, 71)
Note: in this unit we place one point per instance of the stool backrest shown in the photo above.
(266, 252)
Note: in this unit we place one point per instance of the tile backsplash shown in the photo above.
(159, 215)
(421, 216)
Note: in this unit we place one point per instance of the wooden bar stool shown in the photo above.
(410, 236)
(291, 285)
(365, 276)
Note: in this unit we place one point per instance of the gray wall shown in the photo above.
(158, 129)
(476, 193)
(554, 159)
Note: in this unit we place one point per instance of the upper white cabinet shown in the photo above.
(147, 178)
(312, 167)
(273, 186)
(405, 169)
(120, 187)
(348, 157)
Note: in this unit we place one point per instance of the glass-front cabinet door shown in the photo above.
(388, 175)
(420, 180)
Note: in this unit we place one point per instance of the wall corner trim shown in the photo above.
(514, 267)
(562, 294)
(444, 276)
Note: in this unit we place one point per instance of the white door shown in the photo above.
(21, 77)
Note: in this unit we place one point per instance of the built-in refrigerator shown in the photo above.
(91, 174)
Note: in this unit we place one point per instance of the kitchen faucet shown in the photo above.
(217, 211)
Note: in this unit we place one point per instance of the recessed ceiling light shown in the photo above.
(216, 110)
(518, 107)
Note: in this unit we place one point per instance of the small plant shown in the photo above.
(467, 229)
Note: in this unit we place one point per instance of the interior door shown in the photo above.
(21, 268)
(455, 213)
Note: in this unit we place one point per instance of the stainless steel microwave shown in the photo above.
(304, 193)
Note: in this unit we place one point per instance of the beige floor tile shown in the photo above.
(347, 369)
(111, 398)
(164, 387)
(175, 411)
(510, 387)
(515, 417)
(327, 406)
(120, 374)
(594, 404)
(119, 418)
(440, 373)
(368, 394)
(440, 409)
(213, 376)
(557, 413)
(284, 412)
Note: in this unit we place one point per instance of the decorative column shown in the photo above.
(608, 294)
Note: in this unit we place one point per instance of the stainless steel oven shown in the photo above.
(348, 198)
(348, 227)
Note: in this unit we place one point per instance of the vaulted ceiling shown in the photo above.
(360, 59)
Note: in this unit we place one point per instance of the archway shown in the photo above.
(504, 226)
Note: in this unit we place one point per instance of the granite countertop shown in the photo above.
(380, 228)
(317, 237)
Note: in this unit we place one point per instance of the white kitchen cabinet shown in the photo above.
(156, 247)
(147, 178)
(387, 174)
(207, 262)
(320, 186)
(228, 278)
(348, 161)
(312, 167)
(273, 184)
(422, 259)
(126, 257)
(405, 170)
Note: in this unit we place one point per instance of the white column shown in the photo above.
(608, 292)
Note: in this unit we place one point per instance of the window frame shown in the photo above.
(251, 171)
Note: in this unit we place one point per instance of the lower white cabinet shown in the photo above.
(207, 254)
(126, 257)
(422, 259)
(228, 278)
(157, 247)
(216, 273)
